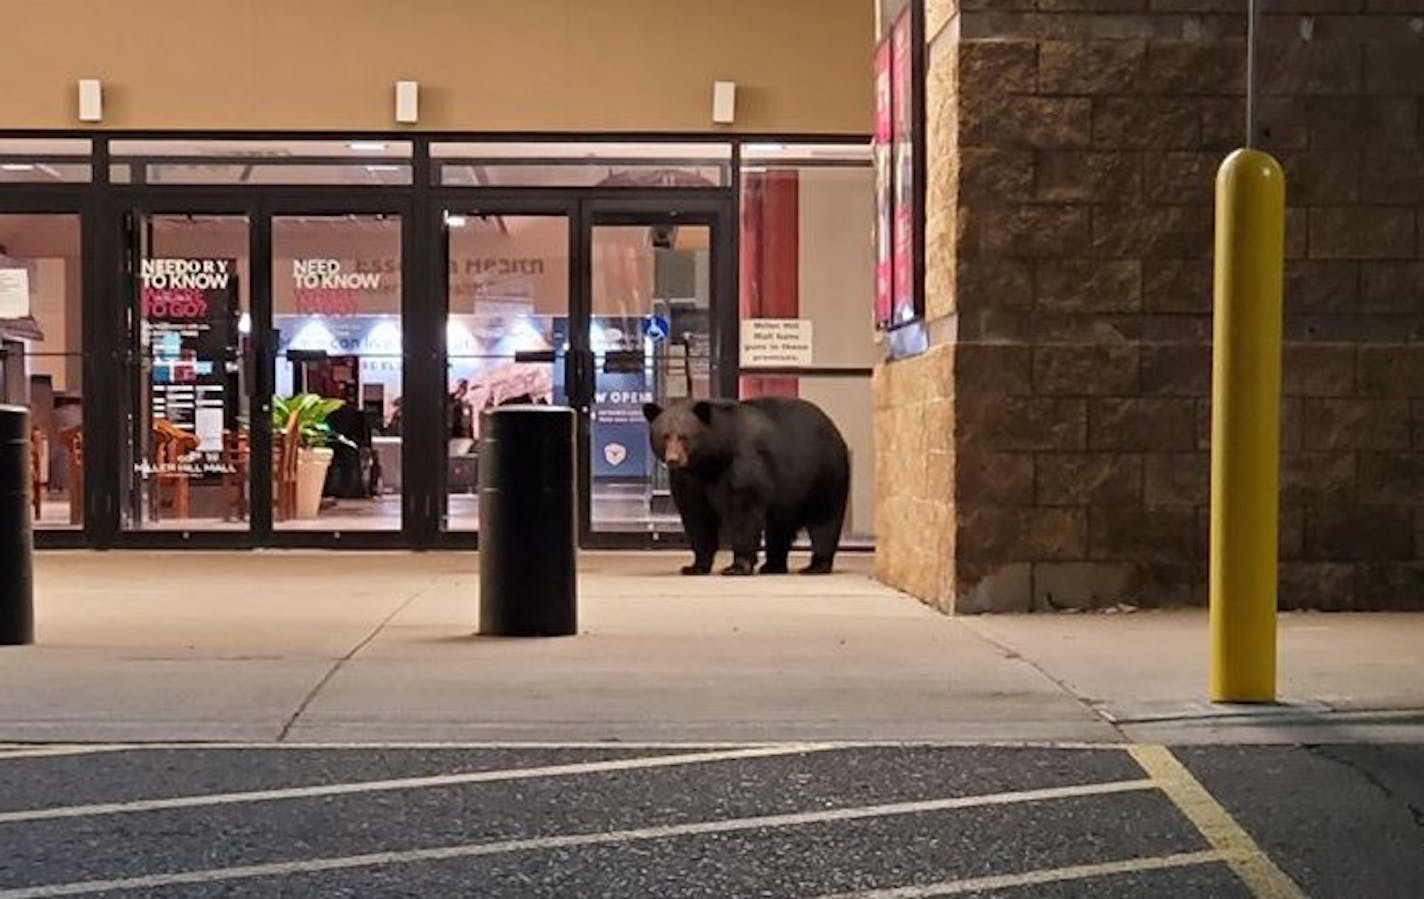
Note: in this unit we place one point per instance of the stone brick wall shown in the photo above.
(1073, 146)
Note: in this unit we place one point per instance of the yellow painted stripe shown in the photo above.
(1251, 864)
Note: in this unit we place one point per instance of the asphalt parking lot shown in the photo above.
(771, 820)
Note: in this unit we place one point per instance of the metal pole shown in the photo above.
(1253, 11)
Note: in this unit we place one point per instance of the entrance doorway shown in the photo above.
(602, 304)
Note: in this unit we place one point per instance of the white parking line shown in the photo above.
(1039, 877)
(35, 752)
(405, 783)
(472, 850)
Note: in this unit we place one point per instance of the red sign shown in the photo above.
(903, 94)
(884, 223)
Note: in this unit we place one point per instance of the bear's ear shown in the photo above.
(651, 411)
(703, 410)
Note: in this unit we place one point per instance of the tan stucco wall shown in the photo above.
(553, 65)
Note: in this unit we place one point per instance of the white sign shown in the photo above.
(776, 342)
(14, 292)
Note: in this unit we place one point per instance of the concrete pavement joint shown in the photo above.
(473, 850)
(408, 783)
(1012, 654)
(1251, 864)
(375, 632)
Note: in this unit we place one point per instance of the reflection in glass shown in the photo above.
(336, 442)
(41, 363)
(505, 334)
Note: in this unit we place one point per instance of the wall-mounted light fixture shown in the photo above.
(91, 100)
(724, 101)
(407, 102)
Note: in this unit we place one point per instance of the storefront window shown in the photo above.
(347, 163)
(626, 165)
(41, 361)
(336, 295)
(44, 161)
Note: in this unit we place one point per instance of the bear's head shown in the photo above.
(677, 432)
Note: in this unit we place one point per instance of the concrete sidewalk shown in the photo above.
(323, 647)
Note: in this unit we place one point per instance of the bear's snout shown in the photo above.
(675, 453)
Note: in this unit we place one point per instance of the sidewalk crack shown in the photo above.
(350, 654)
(1324, 752)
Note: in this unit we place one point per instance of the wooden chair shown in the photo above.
(39, 463)
(170, 444)
(73, 438)
(284, 470)
(234, 480)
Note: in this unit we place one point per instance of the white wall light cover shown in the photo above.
(407, 101)
(91, 100)
(724, 98)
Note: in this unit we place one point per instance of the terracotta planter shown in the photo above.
(312, 463)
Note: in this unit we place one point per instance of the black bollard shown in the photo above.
(528, 521)
(17, 582)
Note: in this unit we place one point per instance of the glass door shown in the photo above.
(657, 313)
(185, 459)
(506, 332)
(338, 373)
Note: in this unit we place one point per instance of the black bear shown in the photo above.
(739, 468)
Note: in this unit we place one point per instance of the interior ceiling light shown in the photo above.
(367, 146)
(456, 221)
(18, 166)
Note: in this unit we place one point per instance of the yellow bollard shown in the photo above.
(1245, 426)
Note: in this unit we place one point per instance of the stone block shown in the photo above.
(1176, 369)
(1027, 232)
(1317, 178)
(1177, 285)
(1142, 123)
(1181, 178)
(1173, 232)
(1195, 68)
(1079, 285)
(1362, 232)
(1176, 479)
(1393, 178)
(1392, 588)
(1293, 68)
(1223, 124)
(992, 587)
(1317, 478)
(1313, 285)
(1324, 586)
(1297, 222)
(1092, 6)
(1004, 176)
(994, 283)
(1078, 479)
(1273, 7)
(1071, 176)
(997, 67)
(1392, 370)
(1176, 329)
(1173, 584)
(1318, 369)
(1393, 68)
(1077, 370)
(1142, 425)
(984, 370)
(1392, 478)
(1023, 423)
(1090, 67)
(1352, 533)
(1365, 123)
(1392, 287)
(1226, 6)
(1290, 534)
(1375, 425)
(1033, 122)
(1020, 533)
(1085, 585)
(1282, 123)
(1143, 533)
(999, 478)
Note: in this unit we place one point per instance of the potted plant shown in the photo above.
(314, 436)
